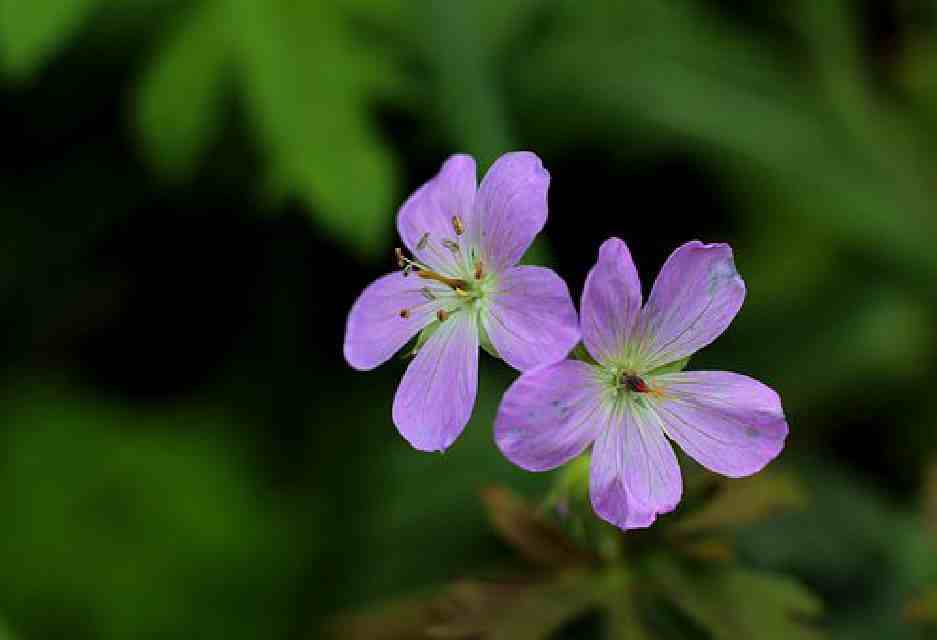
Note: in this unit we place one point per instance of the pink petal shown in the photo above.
(511, 207)
(431, 208)
(729, 423)
(694, 299)
(531, 319)
(611, 303)
(436, 396)
(375, 329)
(550, 415)
(634, 474)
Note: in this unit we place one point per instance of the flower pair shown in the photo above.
(462, 289)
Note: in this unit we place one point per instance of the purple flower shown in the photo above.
(626, 403)
(462, 290)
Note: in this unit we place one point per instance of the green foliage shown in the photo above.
(128, 518)
(32, 32)
(722, 598)
(180, 102)
(124, 532)
(737, 603)
(308, 83)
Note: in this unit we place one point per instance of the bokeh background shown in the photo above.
(193, 192)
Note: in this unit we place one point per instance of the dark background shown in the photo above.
(194, 192)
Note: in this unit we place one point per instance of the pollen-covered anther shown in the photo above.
(441, 315)
(457, 225)
(451, 245)
(404, 313)
(479, 270)
(401, 259)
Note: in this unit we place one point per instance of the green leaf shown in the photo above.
(310, 82)
(518, 609)
(309, 86)
(163, 519)
(745, 501)
(737, 603)
(180, 98)
(623, 614)
(544, 609)
(455, 39)
(537, 539)
(32, 31)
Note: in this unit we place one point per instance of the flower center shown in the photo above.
(625, 381)
(633, 382)
(465, 288)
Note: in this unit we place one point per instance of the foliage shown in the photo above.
(629, 594)
(184, 454)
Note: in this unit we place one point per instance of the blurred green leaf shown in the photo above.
(472, 610)
(309, 85)
(533, 536)
(179, 102)
(131, 521)
(737, 603)
(470, 102)
(744, 501)
(404, 619)
(543, 609)
(32, 31)
(624, 619)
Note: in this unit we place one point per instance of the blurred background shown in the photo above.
(194, 192)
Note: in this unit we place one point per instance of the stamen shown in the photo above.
(401, 260)
(451, 245)
(453, 283)
(423, 240)
(404, 313)
(429, 295)
(479, 270)
(457, 225)
(441, 315)
(407, 268)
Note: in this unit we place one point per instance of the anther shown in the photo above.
(404, 313)
(457, 225)
(452, 246)
(407, 268)
(429, 295)
(441, 315)
(401, 261)
(423, 240)
(479, 270)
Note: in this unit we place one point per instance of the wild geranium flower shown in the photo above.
(461, 289)
(630, 401)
